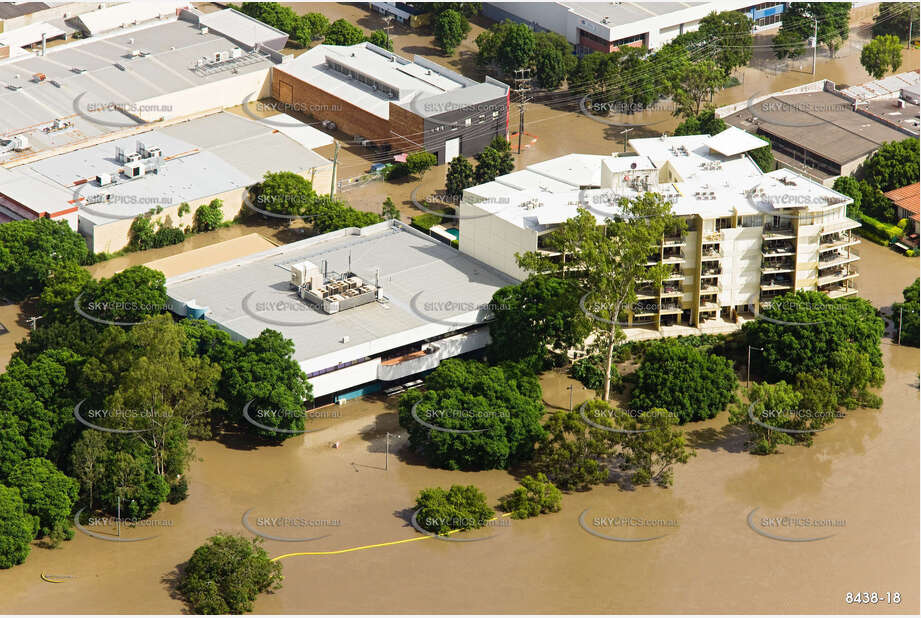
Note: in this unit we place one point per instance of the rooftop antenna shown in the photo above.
(350, 261)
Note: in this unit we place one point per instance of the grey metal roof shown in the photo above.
(174, 47)
(9, 10)
(415, 271)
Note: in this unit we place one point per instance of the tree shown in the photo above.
(65, 282)
(460, 176)
(898, 18)
(450, 29)
(733, 31)
(608, 260)
(554, 59)
(467, 9)
(834, 338)
(330, 214)
(381, 39)
(832, 19)
(341, 32)
(700, 80)
(788, 44)
(266, 373)
(509, 45)
(130, 295)
(226, 574)
(285, 193)
(849, 186)
(420, 162)
(692, 384)
(536, 495)
(894, 165)
(533, 318)
(31, 249)
(88, 460)
(271, 13)
(704, 123)
(907, 312)
(389, 210)
(653, 447)
(48, 494)
(764, 156)
(492, 163)
(458, 508)
(209, 216)
(589, 370)
(494, 413)
(17, 528)
(882, 55)
(573, 454)
(309, 27)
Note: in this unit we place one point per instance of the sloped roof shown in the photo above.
(907, 198)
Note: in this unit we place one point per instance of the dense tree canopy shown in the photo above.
(509, 45)
(810, 333)
(800, 18)
(894, 165)
(48, 494)
(459, 508)
(226, 574)
(17, 528)
(451, 28)
(30, 250)
(498, 409)
(731, 31)
(896, 18)
(882, 55)
(460, 176)
(534, 317)
(342, 32)
(689, 382)
(536, 495)
(908, 313)
(573, 454)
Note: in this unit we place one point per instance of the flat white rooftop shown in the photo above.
(429, 288)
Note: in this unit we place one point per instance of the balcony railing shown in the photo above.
(710, 271)
(712, 237)
(671, 290)
(711, 254)
(778, 231)
(838, 274)
(777, 249)
(673, 241)
(835, 241)
(708, 288)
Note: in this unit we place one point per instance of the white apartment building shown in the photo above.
(750, 236)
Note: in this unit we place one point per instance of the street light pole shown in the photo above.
(899, 340)
(815, 40)
(748, 365)
(387, 451)
(624, 133)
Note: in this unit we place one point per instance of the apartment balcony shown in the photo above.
(670, 308)
(671, 291)
(773, 266)
(646, 293)
(709, 287)
(653, 260)
(673, 241)
(712, 237)
(674, 275)
(778, 232)
(829, 242)
(645, 310)
(837, 258)
(776, 282)
(710, 305)
(777, 249)
(675, 258)
(838, 274)
(711, 253)
(838, 291)
(711, 271)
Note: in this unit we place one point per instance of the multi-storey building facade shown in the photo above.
(750, 236)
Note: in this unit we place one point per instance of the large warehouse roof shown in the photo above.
(127, 14)
(201, 158)
(414, 270)
(85, 75)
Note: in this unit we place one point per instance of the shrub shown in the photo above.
(535, 496)
(459, 508)
(397, 171)
(882, 229)
(178, 491)
(209, 216)
(225, 575)
(426, 221)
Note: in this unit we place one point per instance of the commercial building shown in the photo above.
(18, 15)
(104, 187)
(750, 236)
(111, 84)
(391, 103)
(821, 131)
(605, 26)
(418, 303)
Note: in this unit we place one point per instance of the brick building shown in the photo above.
(393, 104)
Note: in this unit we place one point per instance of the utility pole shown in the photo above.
(387, 452)
(899, 340)
(118, 521)
(332, 183)
(748, 366)
(815, 40)
(33, 320)
(522, 88)
(624, 133)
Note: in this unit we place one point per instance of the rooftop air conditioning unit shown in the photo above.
(204, 30)
(134, 171)
(236, 52)
(104, 179)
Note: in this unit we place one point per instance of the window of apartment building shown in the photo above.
(723, 223)
(752, 220)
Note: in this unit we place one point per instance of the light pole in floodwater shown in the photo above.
(624, 133)
(387, 451)
(748, 365)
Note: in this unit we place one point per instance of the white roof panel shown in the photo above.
(734, 141)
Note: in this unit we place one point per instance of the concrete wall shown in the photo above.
(474, 138)
(493, 240)
(228, 92)
(741, 280)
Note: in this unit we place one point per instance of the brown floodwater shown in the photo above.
(862, 473)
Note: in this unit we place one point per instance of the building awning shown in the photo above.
(27, 35)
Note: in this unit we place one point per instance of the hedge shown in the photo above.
(883, 229)
(426, 221)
